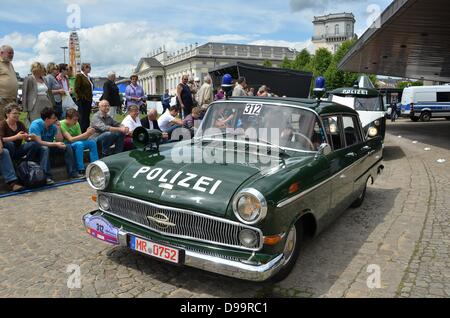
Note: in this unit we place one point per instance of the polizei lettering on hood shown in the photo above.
(168, 179)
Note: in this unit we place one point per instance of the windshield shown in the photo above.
(371, 104)
(286, 127)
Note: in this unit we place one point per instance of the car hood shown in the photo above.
(161, 178)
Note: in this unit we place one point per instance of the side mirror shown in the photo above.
(324, 150)
(143, 138)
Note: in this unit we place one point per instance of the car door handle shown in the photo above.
(351, 155)
(366, 148)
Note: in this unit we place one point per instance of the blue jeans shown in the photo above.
(46, 152)
(59, 110)
(7, 167)
(78, 149)
(30, 149)
(107, 139)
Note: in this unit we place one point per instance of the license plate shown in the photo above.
(163, 252)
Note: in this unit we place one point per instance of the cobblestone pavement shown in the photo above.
(403, 228)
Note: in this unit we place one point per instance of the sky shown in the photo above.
(115, 34)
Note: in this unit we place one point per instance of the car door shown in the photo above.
(357, 155)
(341, 160)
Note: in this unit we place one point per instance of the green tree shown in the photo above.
(286, 63)
(402, 85)
(301, 60)
(321, 61)
(336, 78)
(267, 63)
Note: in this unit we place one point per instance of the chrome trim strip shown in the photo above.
(257, 273)
(216, 219)
(285, 202)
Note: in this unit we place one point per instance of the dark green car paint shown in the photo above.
(330, 183)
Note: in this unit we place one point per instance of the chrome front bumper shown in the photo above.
(214, 264)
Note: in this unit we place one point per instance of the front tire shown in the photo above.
(291, 251)
(425, 117)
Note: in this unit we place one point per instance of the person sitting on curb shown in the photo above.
(71, 130)
(108, 132)
(132, 121)
(7, 170)
(13, 134)
(47, 132)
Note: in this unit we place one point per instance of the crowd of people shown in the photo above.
(58, 107)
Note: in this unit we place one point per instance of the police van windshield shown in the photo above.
(369, 104)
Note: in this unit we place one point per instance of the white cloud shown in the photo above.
(115, 46)
(225, 38)
(18, 40)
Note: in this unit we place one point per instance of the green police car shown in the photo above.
(260, 175)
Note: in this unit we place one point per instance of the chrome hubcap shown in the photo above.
(289, 247)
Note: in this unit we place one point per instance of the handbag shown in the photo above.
(31, 174)
(67, 103)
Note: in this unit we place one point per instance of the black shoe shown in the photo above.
(77, 176)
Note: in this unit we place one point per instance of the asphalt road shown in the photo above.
(435, 132)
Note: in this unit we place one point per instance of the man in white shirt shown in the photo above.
(168, 121)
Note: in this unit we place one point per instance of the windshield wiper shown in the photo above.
(283, 151)
(258, 140)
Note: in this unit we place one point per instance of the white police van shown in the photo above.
(426, 102)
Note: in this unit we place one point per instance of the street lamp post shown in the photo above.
(64, 49)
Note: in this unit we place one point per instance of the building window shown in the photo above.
(336, 29)
(348, 30)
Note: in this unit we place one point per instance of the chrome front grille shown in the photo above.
(180, 223)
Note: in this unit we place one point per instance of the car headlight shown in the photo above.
(103, 202)
(97, 175)
(373, 132)
(250, 206)
(248, 238)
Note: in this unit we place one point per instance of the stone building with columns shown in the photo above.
(162, 69)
